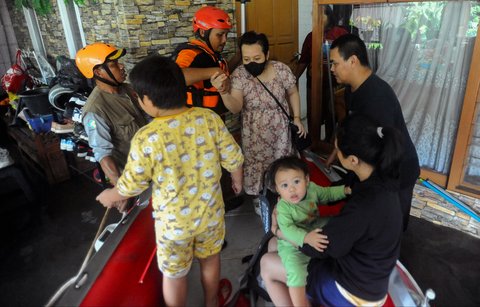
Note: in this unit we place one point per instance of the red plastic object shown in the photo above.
(131, 277)
(319, 178)
(389, 302)
(16, 76)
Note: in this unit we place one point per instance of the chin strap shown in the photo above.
(109, 82)
(206, 38)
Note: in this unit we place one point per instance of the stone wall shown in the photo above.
(19, 26)
(432, 207)
(52, 33)
(142, 27)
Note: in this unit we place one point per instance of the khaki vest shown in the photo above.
(122, 115)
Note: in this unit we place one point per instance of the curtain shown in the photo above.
(8, 41)
(423, 50)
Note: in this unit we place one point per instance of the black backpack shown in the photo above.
(69, 76)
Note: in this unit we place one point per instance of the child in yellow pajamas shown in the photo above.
(180, 153)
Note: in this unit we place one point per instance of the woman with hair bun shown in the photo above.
(364, 239)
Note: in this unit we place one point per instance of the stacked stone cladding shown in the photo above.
(19, 26)
(143, 27)
(430, 206)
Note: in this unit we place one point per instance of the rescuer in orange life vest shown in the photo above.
(199, 59)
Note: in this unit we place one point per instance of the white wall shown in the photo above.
(304, 27)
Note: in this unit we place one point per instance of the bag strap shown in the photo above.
(18, 57)
(276, 100)
(19, 61)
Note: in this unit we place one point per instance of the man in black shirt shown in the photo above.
(369, 95)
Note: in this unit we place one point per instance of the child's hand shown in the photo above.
(106, 198)
(348, 190)
(237, 187)
(316, 239)
(121, 205)
(237, 180)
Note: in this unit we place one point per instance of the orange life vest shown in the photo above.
(196, 54)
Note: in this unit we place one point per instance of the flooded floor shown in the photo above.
(44, 244)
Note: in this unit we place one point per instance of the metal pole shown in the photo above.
(243, 17)
(330, 87)
(242, 10)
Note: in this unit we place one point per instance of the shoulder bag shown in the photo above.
(298, 142)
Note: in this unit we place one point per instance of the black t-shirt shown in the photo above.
(376, 99)
(364, 240)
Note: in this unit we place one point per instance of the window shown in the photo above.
(72, 26)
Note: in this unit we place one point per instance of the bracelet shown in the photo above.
(296, 117)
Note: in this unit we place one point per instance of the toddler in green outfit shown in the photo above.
(298, 219)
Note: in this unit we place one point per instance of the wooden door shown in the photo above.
(278, 19)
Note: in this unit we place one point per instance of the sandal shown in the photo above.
(224, 291)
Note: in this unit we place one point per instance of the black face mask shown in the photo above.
(255, 68)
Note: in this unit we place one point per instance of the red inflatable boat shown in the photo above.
(124, 272)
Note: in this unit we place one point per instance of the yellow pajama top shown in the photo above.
(182, 155)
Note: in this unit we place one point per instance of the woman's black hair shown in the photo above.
(381, 147)
(252, 37)
(350, 44)
(285, 163)
(162, 80)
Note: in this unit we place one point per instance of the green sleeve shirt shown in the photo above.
(296, 220)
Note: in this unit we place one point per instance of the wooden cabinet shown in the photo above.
(41, 152)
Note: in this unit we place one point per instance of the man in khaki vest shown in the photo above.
(111, 115)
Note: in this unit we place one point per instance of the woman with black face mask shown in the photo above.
(265, 131)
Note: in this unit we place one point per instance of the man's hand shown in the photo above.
(221, 82)
(110, 169)
(316, 239)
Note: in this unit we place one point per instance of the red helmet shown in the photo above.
(209, 17)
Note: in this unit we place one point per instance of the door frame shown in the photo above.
(239, 24)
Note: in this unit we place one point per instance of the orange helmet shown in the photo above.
(209, 17)
(96, 54)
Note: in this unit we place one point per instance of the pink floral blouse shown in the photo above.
(265, 131)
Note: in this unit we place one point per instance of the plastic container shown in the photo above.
(39, 124)
(36, 101)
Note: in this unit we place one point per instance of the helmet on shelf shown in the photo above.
(209, 17)
(93, 55)
(59, 96)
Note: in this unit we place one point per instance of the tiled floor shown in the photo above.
(244, 232)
